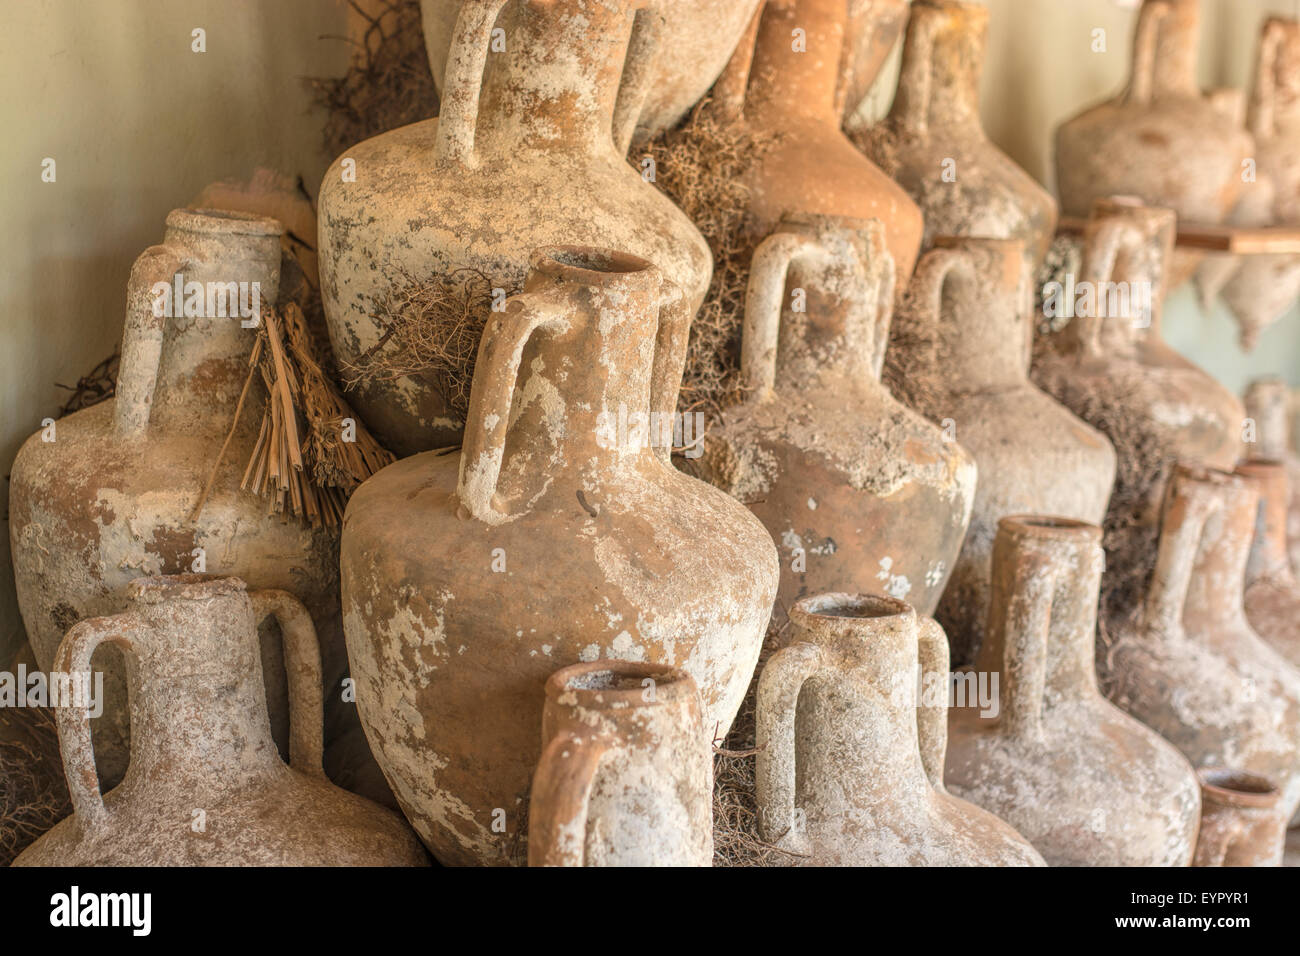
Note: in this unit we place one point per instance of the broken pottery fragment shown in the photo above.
(556, 535)
(206, 785)
(626, 774)
(1084, 782)
(852, 728)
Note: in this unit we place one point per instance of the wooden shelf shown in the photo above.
(1240, 241)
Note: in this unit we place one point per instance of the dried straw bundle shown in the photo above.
(33, 792)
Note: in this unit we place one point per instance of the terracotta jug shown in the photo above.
(786, 81)
(112, 495)
(858, 490)
(1034, 456)
(554, 536)
(1190, 667)
(1267, 403)
(934, 145)
(850, 759)
(1239, 823)
(626, 774)
(1084, 782)
(690, 40)
(1162, 139)
(1272, 591)
(528, 151)
(206, 785)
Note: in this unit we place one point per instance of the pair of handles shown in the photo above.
(302, 665)
(765, 300)
(471, 41)
(778, 697)
(496, 372)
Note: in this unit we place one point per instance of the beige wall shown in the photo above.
(138, 124)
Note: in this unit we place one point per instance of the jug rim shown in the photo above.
(842, 606)
(593, 265)
(1238, 788)
(155, 589)
(613, 683)
(230, 222)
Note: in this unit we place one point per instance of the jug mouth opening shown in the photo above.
(183, 587)
(631, 683)
(840, 606)
(227, 222)
(591, 265)
(1049, 526)
(1238, 788)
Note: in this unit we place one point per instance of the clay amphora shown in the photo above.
(690, 42)
(1084, 782)
(1162, 139)
(1240, 825)
(811, 166)
(626, 774)
(111, 496)
(1272, 591)
(554, 536)
(206, 785)
(934, 145)
(1190, 667)
(1267, 407)
(528, 151)
(857, 490)
(851, 736)
(1033, 454)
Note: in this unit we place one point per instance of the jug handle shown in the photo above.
(883, 286)
(303, 670)
(1024, 626)
(142, 339)
(778, 698)
(562, 785)
(463, 80)
(1100, 257)
(496, 369)
(914, 84)
(638, 75)
(727, 100)
(671, 342)
(932, 718)
(764, 300)
(75, 742)
(1145, 41)
(1264, 95)
(1191, 506)
(931, 277)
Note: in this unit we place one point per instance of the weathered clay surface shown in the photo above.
(1162, 139)
(874, 27)
(1267, 405)
(548, 540)
(1190, 667)
(811, 166)
(206, 785)
(1272, 591)
(686, 44)
(626, 774)
(1084, 782)
(1240, 825)
(1034, 456)
(857, 490)
(110, 499)
(526, 153)
(850, 758)
(933, 144)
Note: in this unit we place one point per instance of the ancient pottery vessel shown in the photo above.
(1272, 591)
(686, 43)
(1162, 139)
(933, 144)
(108, 493)
(1240, 825)
(1189, 666)
(972, 296)
(1267, 403)
(850, 758)
(206, 785)
(528, 151)
(1081, 780)
(809, 166)
(560, 537)
(626, 774)
(858, 490)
